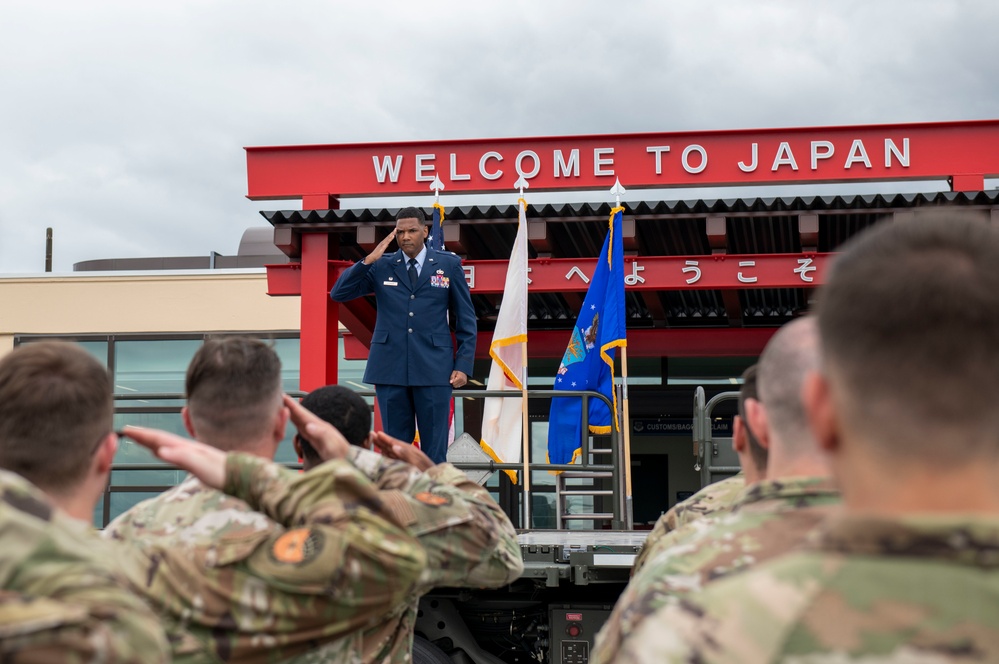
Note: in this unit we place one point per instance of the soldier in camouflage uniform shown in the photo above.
(242, 576)
(61, 596)
(767, 519)
(904, 404)
(468, 539)
(720, 495)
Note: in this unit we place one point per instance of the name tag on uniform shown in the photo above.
(390, 283)
(437, 281)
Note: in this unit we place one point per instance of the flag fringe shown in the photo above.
(502, 343)
(578, 452)
(512, 474)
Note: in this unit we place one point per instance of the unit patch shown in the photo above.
(432, 499)
(297, 547)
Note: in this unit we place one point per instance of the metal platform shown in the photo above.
(579, 557)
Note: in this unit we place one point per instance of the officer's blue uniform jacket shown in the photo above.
(411, 343)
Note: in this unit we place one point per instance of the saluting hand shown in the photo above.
(205, 462)
(380, 249)
(394, 448)
(328, 442)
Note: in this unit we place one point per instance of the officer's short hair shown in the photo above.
(233, 389)
(908, 321)
(55, 407)
(412, 213)
(343, 408)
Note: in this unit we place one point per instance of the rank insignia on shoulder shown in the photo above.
(297, 546)
(432, 499)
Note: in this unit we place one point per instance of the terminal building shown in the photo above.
(708, 280)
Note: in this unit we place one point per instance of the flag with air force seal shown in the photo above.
(588, 363)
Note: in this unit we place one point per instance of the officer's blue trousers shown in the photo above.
(403, 407)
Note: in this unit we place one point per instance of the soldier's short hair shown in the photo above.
(412, 213)
(790, 355)
(759, 454)
(55, 407)
(233, 389)
(343, 408)
(908, 321)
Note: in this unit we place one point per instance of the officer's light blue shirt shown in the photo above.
(420, 257)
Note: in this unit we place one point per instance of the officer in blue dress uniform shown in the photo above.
(412, 361)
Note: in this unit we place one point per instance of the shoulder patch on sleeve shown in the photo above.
(297, 546)
(433, 499)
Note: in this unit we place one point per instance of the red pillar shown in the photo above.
(320, 314)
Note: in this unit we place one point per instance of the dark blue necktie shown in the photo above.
(412, 272)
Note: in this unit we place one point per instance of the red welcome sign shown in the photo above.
(963, 152)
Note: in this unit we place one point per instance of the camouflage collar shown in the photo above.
(787, 488)
(23, 496)
(962, 538)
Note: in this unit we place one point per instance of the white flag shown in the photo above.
(502, 422)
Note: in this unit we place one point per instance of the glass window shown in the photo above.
(351, 372)
(539, 454)
(99, 349)
(149, 366)
(288, 352)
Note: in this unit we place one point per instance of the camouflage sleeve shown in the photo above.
(649, 588)
(386, 473)
(38, 629)
(343, 561)
(749, 617)
(80, 614)
(468, 539)
(665, 525)
(712, 498)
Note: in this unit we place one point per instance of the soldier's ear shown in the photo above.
(820, 409)
(756, 417)
(739, 442)
(281, 423)
(185, 414)
(104, 457)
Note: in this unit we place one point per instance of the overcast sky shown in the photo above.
(122, 124)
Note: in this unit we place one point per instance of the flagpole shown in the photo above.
(525, 426)
(525, 436)
(617, 190)
(436, 187)
(626, 430)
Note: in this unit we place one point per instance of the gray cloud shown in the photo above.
(122, 123)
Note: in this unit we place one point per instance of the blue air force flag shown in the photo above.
(588, 363)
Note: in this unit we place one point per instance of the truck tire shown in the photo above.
(425, 652)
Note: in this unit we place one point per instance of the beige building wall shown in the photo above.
(132, 302)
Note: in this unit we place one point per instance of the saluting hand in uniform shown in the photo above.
(325, 438)
(380, 249)
(205, 462)
(394, 448)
